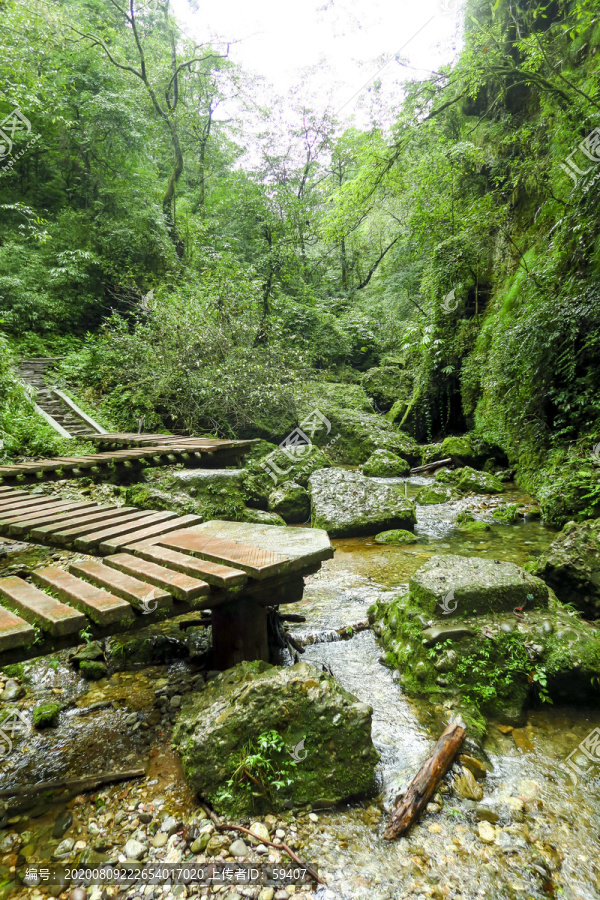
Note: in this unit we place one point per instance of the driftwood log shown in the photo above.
(76, 785)
(426, 780)
(432, 465)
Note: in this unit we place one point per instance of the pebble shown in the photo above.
(487, 832)
(280, 833)
(134, 849)
(175, 701)
(199, 845)
(261, 831)
(238, 848)
(170, 825)
(313, 817)
(266, 894)
(161, 839)
(64, 848)
(12, 691)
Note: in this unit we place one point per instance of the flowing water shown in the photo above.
(546, 842)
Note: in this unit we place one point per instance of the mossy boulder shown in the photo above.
(346, 504)
(387, 384)
(93, 669)
(455, 639)
(264, 475)
(259, 517)
(460, 448)
(466, 521)
(435, 493)
(385, 464)
(468, 480)
(355, 435)
(396, 536)
(571, 566)
(291, 502)
(46, 715)
(306, 708)
(431, 453)
(507, 515)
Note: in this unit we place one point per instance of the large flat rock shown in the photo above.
(347, 504)
(463, 585)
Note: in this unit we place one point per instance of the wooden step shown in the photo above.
(22, 525)
(14, 631)
(66, 536)
(182, 587)
(15, 507)
(39, 608)
(140, 594)
(213, 573)
(44, 533)
(101, 607)
(88, 542)
(153, 531)
(7, 501)
(256, 562)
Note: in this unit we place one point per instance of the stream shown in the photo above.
(548, 827)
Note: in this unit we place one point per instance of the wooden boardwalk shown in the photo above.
(205, 451)
(155, 564)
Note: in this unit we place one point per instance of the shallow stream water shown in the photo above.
(546, 842)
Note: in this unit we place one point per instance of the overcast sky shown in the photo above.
(349, 40)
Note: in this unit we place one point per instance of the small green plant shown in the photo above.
(86, 634)
(262, 769)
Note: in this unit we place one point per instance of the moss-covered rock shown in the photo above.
(355, 435)
(507, 515)
(435, 493)
(93, 669)
(387, 384)
(431, 453)
(346, 504)
(571, 567)
(259, 517)
(291, 502)
(460, 447)
(466, 521)
(396, 536)
(262, 476)
(237, 714)
(468, 480)
(46, 715)
(456, 639)
(385, 464)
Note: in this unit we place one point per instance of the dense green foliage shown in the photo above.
(199, 275)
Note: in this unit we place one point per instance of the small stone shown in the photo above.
(161, 839)
(261, 831)
(78, 894)
(134, 849)
(131, 719)
(12, 691)
(238, 848)
(45, 715)
(474, 765)
(434, 828)
(522, 741)
(505, 729)
(280, 833)
(170, 825)
(487, 832)
(313, 817)
(281, 894)
(64, 849)
(466, 786)
(145, 817)
(200, 844)
(175, 701)
(62, 824)
(266, 893)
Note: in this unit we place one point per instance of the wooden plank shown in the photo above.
(253, 560)
(19, 503)
(14, 631)
(40, 608)
(154, 531)
(142, 596)
(68, 535)
(23, 525)
(143, 519)
(44, 533)
(181, 586)
(42, 511)
(214, 573)
(101, 607)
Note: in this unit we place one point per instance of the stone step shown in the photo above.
(14, 631)
(256, 562)
(101, 607)
(140, 594)
(39, 608)
(182, 587)
(213, 573)
(153, 531)
(88, 542)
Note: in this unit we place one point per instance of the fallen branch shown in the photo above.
(342, 634)
(432, 465)
(76, 784)
(426, 780)
(222, 826)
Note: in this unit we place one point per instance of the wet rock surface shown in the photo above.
(306, 707)
(571, 567)
(345, 503)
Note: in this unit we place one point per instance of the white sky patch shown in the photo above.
(331, 49)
